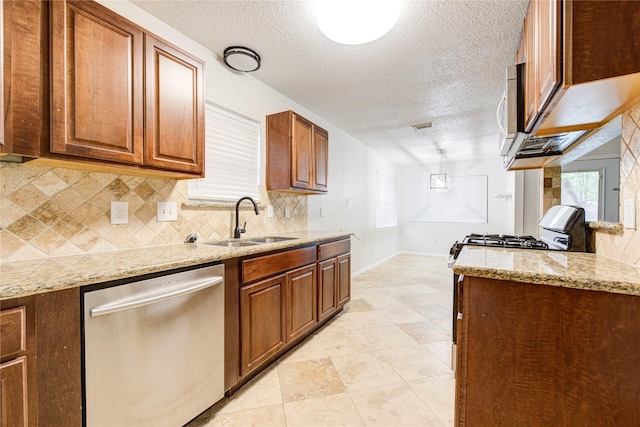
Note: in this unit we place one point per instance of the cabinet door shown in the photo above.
(327, 279)
(530, 80)
(548, 50)
(301, 301)
(23, 68)
(97, 87)
(302, 153)
(344, 279)
(262, 321)
(174, 121)
(321, 158)
(13, 393)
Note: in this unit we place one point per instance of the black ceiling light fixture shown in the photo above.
(241, 58)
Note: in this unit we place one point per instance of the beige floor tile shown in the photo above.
(329, 411)
(442, 350)
(367, 319)
(426, 332)
(357, 305)
(268, 416)
(398, 315)
(341, 342)
(387, 337)
(338, 323)
(309, 379)
(365, 370)
(416, 289)
(263, 390)
(309, 349)
(383, 302)
(414, 362)
(438, 393)
(393, 405)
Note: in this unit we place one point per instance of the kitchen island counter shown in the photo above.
(577, 270)
(40, 275)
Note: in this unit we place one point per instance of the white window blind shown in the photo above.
(232, 157)
(386, 211)
(466, 201)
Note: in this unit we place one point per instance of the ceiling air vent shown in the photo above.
(424, 125)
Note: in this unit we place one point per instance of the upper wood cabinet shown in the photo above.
(174, 80)
(121, 94)
(24, 66)
(297, 154)
(85, 87)
(582, 64)
(97, 83)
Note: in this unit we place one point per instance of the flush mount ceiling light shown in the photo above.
(356, 21)
(440, 181)
(241, 58)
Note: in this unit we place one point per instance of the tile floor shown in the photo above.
(384, 361)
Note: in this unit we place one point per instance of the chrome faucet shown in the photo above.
(238, 231)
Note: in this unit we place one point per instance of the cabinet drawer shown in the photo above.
(12, 331)
(333, 249)
(268, 265)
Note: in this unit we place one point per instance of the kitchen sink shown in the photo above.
(271, 239)
(234, 243)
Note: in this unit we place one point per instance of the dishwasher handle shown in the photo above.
(128, 304)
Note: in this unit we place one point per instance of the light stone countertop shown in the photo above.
(577, 270)
(36, 276)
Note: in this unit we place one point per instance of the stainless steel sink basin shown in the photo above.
(271, 239)
(234, 243)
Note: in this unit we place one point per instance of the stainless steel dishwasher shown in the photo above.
(154, 348)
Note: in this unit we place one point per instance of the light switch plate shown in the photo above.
(167, 211)
(269, 211)
(630, 213)
(119, 212)
(287, 212)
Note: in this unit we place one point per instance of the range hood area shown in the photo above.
(521, 150)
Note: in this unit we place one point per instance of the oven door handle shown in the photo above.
(146, 299)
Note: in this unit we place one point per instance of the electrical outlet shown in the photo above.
(347, 202)
(269, 211)
(321, 212)
(119, 212)
(167, 211)
(287, 212)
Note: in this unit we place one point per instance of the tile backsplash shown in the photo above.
(625, 245)
(46, 211)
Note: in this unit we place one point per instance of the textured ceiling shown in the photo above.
(443, 62)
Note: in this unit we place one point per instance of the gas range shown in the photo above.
(495, 240)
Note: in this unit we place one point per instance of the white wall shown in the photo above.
(351, 202)
(352, 165)
(437, 237)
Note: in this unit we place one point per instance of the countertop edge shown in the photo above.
(25, 283)
(576, 270)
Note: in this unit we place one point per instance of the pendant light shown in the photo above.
(440, 181)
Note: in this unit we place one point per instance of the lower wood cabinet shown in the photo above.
(344, 279)
(262, 320)
(14, 387)
(301, 301)
(273, 301)
(327, 279)
(538, 355)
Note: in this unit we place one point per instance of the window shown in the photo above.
(232, 157)
(466, 201)
(582, 188)
(386, 212)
